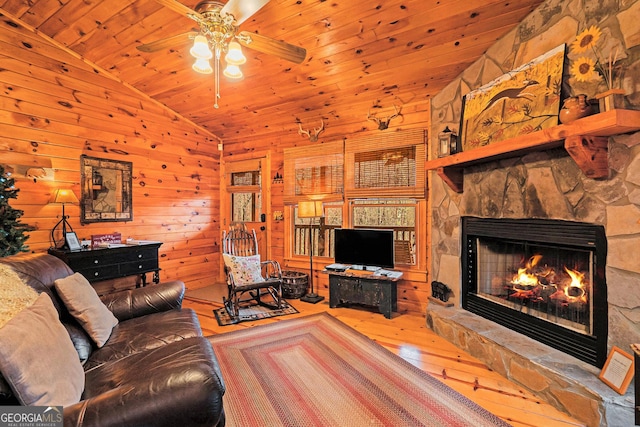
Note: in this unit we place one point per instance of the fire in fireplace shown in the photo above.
(542, 278)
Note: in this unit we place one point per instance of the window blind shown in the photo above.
(387, 165)
(243, 176)
(314, 171)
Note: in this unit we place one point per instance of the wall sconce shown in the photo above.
(62, 196)
(447, 142)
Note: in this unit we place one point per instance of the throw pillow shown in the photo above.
(245, 269)
(37, 358)
(85, 305)
(15, 295)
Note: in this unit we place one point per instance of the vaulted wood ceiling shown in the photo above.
(361, 55)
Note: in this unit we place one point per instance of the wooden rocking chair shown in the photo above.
(248, 278)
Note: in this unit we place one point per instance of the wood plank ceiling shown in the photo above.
(361, 55)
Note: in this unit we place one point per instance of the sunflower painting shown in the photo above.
(585, 68)
(522, 101)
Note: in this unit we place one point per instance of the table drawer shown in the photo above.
(143, 254)
(137, 267)
(94, 274)
(97, 258)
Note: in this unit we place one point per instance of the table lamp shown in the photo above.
(62, 196)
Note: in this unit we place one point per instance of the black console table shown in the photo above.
(114, 262)
(366, 289)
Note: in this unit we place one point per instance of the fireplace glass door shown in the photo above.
(549, 283)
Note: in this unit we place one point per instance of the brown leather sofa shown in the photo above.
(156, 369)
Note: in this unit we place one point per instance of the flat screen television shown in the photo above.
(370, 248)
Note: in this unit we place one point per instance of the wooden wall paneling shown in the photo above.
(116, 89)
(412, 294)
(348, 123)
(170, 155)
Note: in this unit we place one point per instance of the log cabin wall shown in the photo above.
(55, 107)
(412, 291)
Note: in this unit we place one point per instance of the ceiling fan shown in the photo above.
(219, 34)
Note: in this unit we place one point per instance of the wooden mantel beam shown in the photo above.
(586, 140)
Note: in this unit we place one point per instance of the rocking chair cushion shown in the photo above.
(245, 269)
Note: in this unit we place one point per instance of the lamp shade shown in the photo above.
(200, 49)
(63, 195)
(310, 209)
(234, 55)
(233, 72)
(202, 66)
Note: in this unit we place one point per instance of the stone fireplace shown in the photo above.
(541, 278)
(545, 185)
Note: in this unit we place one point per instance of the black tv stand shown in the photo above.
(357, 287)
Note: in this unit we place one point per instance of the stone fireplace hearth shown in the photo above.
(557, 378)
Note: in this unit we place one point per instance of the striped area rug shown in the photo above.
(317, 371)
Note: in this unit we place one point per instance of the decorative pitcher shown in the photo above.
(574, 108)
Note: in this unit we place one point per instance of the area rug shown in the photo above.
(317, 371)
(256, 312)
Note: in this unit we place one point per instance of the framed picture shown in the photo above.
(72, 241)
(618, 370)
(106, 190)
(522, 101)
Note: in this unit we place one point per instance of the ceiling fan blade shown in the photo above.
(242, 9)
(273, 47)
(178, 7)
(167, 43)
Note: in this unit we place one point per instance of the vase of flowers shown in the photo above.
(593, 65)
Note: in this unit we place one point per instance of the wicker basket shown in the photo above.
(294, 284)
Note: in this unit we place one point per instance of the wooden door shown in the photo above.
(247, 199)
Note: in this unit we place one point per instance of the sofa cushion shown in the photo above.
(37, 357)
(83, 303)
(146, 332)
(245, 269)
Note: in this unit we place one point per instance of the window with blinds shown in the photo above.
(387, 165)
(314, 172)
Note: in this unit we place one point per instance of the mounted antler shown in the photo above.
(383, 124)
(316, 132)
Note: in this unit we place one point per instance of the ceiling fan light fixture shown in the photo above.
(202, 66)
(234, 54)
(200, 49)
(233, 72)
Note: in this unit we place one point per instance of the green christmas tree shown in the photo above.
(12, 231)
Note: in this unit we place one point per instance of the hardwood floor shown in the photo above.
(408, 336)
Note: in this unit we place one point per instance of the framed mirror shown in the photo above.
(106, 190)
